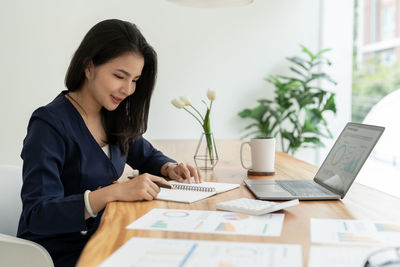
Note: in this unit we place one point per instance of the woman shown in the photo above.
(76, 146)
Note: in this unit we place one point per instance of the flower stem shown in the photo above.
(207, 132)
(194, 116)
(197, 112)
(210, 147)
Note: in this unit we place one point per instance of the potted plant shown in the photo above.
(296, 114)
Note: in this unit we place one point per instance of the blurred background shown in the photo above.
(231, 50)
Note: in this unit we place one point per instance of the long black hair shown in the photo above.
(107, 40)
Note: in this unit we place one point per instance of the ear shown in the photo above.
(89, 70)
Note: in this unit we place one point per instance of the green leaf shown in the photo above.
(206, 123)
(288, 135)
(330, 104)
(308, 127)
(274, 126)
(292, 79)
(245, 113)
(322, 76)
(298, 72)
(315, 140)
(322, 52)
(308, 52)
(251, 125)
(320, 61)
(295, 121)
(264, 101)
(305, 100)
(328, 62)
(258, 112)
(319, 96)
(274, 80)
(298, 61)
(314, 116)
(329, 133)
(266, 131)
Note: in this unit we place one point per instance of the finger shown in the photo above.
(199, 174)
(185, 173)
(153, 192)
(147, 196)
(181, 173)
(154, 178)
(148, 183)
(173, 176)
(194, 173)
(154, 187)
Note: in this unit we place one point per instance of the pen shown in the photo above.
(163, 185)
(157, 183)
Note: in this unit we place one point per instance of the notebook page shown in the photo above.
(185, 196)
(219, 187)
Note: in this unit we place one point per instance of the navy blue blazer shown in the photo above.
(61, 160)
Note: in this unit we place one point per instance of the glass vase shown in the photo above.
(206, 156)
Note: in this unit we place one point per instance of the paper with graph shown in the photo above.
(193, 253)
(215, 222)
(355, 232)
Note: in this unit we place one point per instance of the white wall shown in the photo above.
(231, 50)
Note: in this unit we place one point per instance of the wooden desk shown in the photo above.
(361, 202)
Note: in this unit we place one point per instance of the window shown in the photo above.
(387, 57)
(388, 22)
(376, 88)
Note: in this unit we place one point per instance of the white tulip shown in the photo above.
(211, 94)
(185, 100)
(177, 103)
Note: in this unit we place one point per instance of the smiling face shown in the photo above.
(110, 83)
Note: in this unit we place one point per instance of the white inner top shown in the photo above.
(106, 150)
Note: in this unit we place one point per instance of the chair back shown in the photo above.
(15, 251)
(10, 198)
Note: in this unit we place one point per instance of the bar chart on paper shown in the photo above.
(355, 232)
(216, 222)
(194, 253)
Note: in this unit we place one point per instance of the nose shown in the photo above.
(129, 88)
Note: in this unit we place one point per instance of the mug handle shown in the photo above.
(241, 155)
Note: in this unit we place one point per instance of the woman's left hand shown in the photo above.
(183, 172)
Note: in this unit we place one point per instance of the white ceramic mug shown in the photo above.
(262, 155)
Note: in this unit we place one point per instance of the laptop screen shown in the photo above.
(347, 156)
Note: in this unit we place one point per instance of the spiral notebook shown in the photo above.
(189, 193)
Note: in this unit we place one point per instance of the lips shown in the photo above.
(116, 100)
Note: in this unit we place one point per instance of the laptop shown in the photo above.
(336, 174)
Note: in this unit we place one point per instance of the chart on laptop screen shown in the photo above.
(348, 155)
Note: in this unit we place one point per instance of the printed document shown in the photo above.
(215, 222)
(193, 253)
(355, 232)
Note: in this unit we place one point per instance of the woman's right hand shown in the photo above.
(142, 187)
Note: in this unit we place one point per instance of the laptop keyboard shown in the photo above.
(304, 188)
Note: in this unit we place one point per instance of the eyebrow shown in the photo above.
(127, 73)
